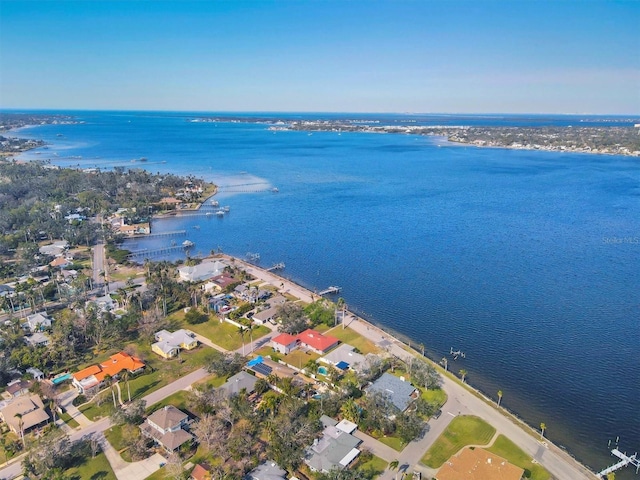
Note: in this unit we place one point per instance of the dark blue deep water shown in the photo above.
(527, 261)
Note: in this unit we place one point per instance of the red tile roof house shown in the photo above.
(316, 341)
(285, 343)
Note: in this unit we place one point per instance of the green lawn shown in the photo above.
(222, 334)
(66, 418)
(178, 400)
(437, 396)
(158, 373)
(92, 469)
(393, 442)
(376, 465)
(506, 449)
(462, 431)
(298, 358)
(354, 339)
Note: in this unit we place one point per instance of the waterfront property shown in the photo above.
(401, 393)
(316, 341)
(478, 464)
(202, 271)
(344, 357)
(169, 344)
(167, 428)
(93, 376)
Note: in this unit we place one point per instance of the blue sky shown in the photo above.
(519, 56)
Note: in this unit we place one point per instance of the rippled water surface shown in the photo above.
(527, 261)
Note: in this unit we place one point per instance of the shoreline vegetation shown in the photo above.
(609, 140)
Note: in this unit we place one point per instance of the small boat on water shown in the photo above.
(220, 213)
(188, 244)
(197, 227)
(226, 209)
(275, 190)
(215, 203)
(208, 214)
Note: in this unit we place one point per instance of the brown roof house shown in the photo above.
(167, 427)
(478, 464)
(31, 411)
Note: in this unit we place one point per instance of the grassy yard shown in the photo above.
(393, 442)
(506, 449)
(222, 334)
(462, 431)
(434, 396)
(92, 469)
(376, 465)
(159, 372)
(178, 400)
(298, 358)
(354, 339)
(66, 418)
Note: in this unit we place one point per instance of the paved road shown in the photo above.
(462, 401)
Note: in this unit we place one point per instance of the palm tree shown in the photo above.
(241, 331)
(350, 410)
(125, 377)
(445, 362)
(108, 379)
(52, 407)
(543, 427)
(499, 397)
(463, 374)
(393, 465)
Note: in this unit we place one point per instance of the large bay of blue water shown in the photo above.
(527, 261)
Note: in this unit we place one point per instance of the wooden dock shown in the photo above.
(171, 233)
(277, 266)
(146, 253)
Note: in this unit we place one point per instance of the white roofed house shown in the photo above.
(37, 322)
(344, 357)
(202, 271)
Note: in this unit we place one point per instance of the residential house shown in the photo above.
(167, 428)
(37, 322)
(32, 412)
(169, 344)
(55, 249)
(316, 341)
(200, 473)
(93, 376)
(36, 373)
(104, 303)
(60, 262)
(334, 450)
(401, 393)
(285, 343)
(478, 464)
(37, 339)
(344, 357)
(265, 316)
(18, 387)
(6, 290)
(220, 282)
(267, 470)
(202, 271)
(240, 381)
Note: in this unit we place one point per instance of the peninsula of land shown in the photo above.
(609, 140)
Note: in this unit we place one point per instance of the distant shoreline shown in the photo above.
(609, 140)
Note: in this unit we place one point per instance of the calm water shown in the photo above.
(527, 261)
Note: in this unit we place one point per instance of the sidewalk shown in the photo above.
(66, 402)
(129, 471)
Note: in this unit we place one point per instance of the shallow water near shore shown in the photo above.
(526, 261)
